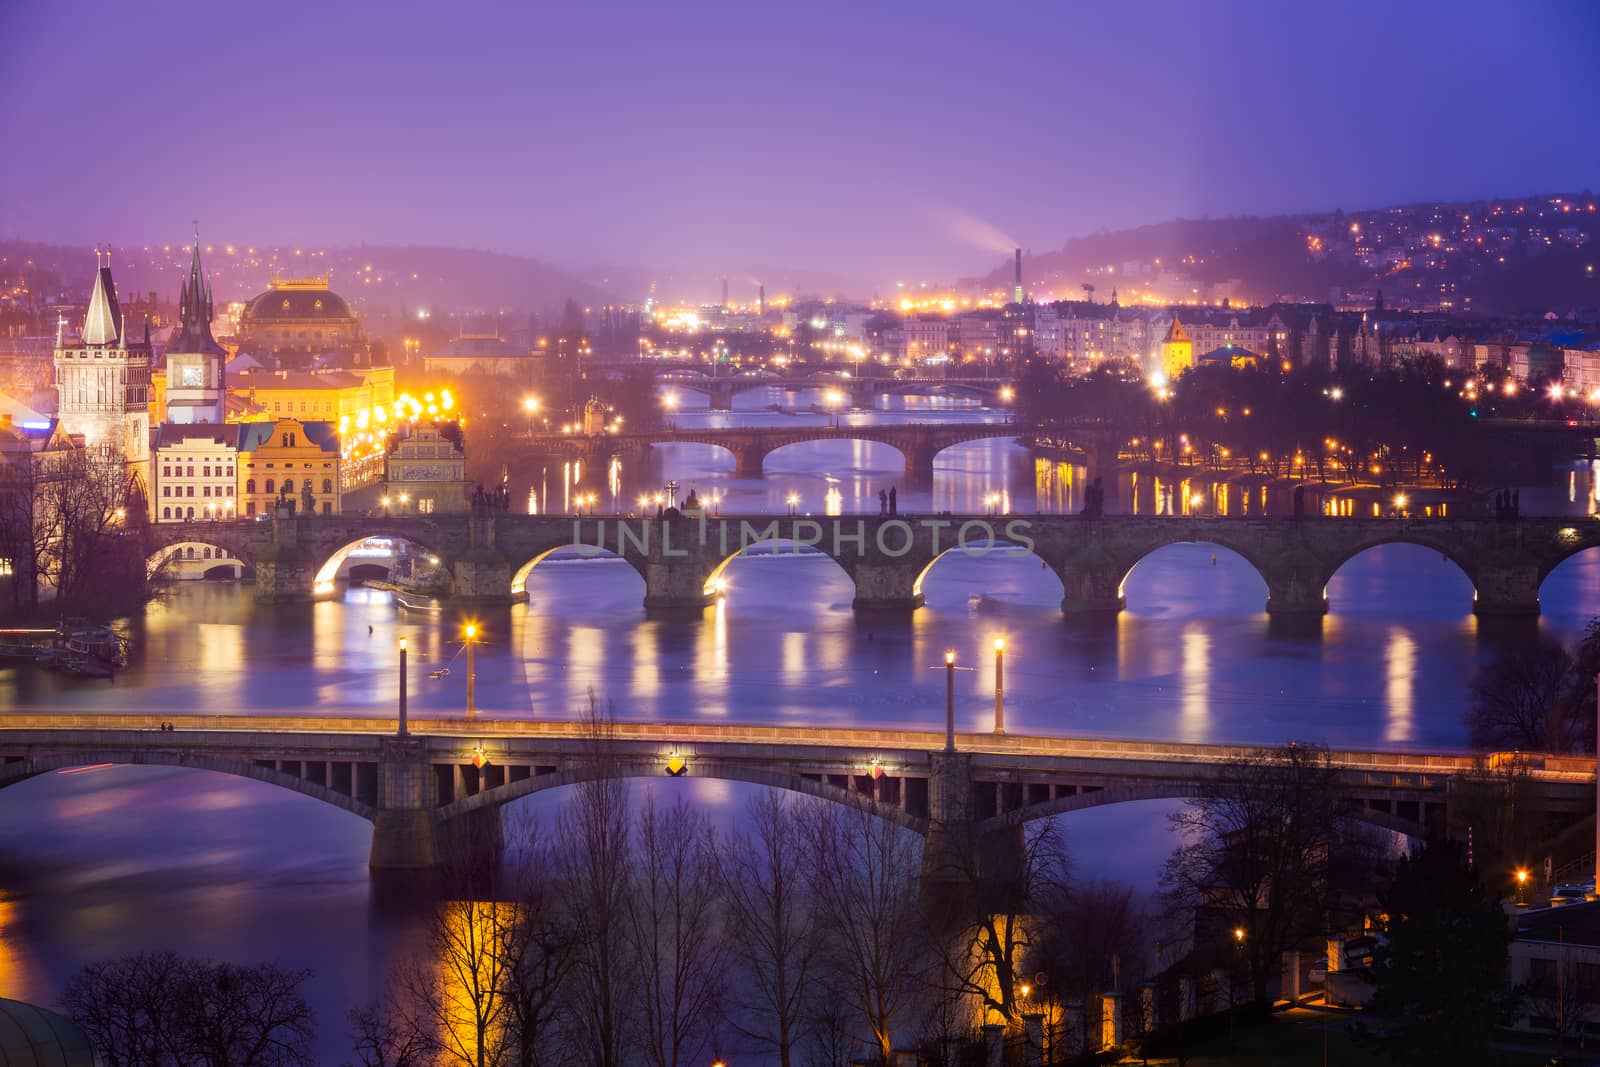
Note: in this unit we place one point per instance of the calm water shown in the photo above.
(119, 859)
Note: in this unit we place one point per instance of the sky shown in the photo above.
(875, 141)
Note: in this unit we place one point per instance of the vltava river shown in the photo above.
(118, 859)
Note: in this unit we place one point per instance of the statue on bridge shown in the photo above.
(1094, 500)
(1508, 505)
(308, 499)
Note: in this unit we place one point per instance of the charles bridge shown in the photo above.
(682, 557)
(444, 781)
(917, 443)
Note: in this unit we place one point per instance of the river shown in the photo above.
(118, 859)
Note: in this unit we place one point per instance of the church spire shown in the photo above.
(102, 323)
(194, 309)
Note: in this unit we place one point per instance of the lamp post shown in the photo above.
(1522, 886)
(950, 700)
(402, 687)
(472, 674)
(530, 404)
(999, 685)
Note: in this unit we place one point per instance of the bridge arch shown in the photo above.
(696, 768)
(524, 571)
(1150, 562)
(1575, 561)
(33, 766)
(717, 580)
(328, 573)
(976, 541)
(1349, 554)
(841, 435)
(679, 437)
(194, 554)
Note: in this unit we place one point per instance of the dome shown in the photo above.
(298, 300)
(33, 1037)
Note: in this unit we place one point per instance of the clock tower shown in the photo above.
(194, 359)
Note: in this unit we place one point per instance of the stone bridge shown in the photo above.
(861, 390)
(682, 559)
(450, 778)
(919, 444)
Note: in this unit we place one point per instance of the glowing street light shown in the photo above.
(530, 404)
(793, 500)
(470, 632)
(1522, 885)
(402, 730)
(671, 402)
(999, 685)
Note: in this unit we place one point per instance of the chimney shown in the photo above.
(761, 298)
(724, 291)
(1018, 254)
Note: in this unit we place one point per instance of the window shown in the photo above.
(288, 485)
(230, 471)
(208, 553)
(269, 485)
(166, 490)
(191, 472)
(166, 513)
(205, 490)
(188, 553)
(425, 505)
(327, 485)
(250, 485)
(190, 491)
(327, 508)
(230, 489)
(205, 472)
(191, 515)
(250, 508)
(166, 471)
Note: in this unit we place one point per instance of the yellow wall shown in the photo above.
(275, 461)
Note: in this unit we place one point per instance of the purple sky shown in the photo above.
(874, 141)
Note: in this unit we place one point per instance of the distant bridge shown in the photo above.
(919, 444)
(682, 559)
(452, 777)
(860, 391)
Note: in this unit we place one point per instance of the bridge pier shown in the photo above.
(1091, 584)
(284, 573)
(402, 829)
(887, 586)
(1508, 589)
(748, 460)
(481, 576)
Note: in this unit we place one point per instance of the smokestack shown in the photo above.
(761, 299)
(1019, 275)
(724, 291)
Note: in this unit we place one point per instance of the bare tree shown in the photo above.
(387, 1035)
(593, 848)
(153, 1009)
(1255, 856)
(1001, 889)
(1095, 922)
(762, 879)
(676, 936)
(542, 948)
(1531, 697)
(865, 876)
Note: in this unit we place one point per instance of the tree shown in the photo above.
(154, 1009)
(998, 895)
(594, 870)
(542, 946)
(1257, 854)
(1440, 973)
(1531, 696)
(675, 934)
(1094, 923)
(762, 879)
(865, 876)
(387, 1035)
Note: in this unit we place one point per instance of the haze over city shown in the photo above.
(827, 535)
(872, 143)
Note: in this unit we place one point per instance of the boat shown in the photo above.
(413, 601)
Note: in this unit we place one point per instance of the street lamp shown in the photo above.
(793, 500)
(402, 687)
(1522, 886)
(671, 401)
(833, 398)
(530, 404)
(471, 633)
(999, 685)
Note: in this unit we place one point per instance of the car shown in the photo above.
(442, 672)
(1569, 894)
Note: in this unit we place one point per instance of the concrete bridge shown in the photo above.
(682, 559)
(919, 444)
(450, 778)
(861, 391)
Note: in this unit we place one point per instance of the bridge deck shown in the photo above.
(291, 731)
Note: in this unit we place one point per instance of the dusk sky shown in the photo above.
(873, 141)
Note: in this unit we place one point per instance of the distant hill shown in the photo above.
(377, 279)
(1514, 255)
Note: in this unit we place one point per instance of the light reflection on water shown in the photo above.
(139, 857)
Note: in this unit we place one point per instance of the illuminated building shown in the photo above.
(1177, 351)
(31, 454)
(326, 395)
(478, 353)
(194, 373)
(301, 316)
(196, 472)
(283, 462)
(103, 386)
(425, 471)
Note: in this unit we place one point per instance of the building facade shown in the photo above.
(300, 316)
(289, 463)
(196, 472)
(425, 472)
